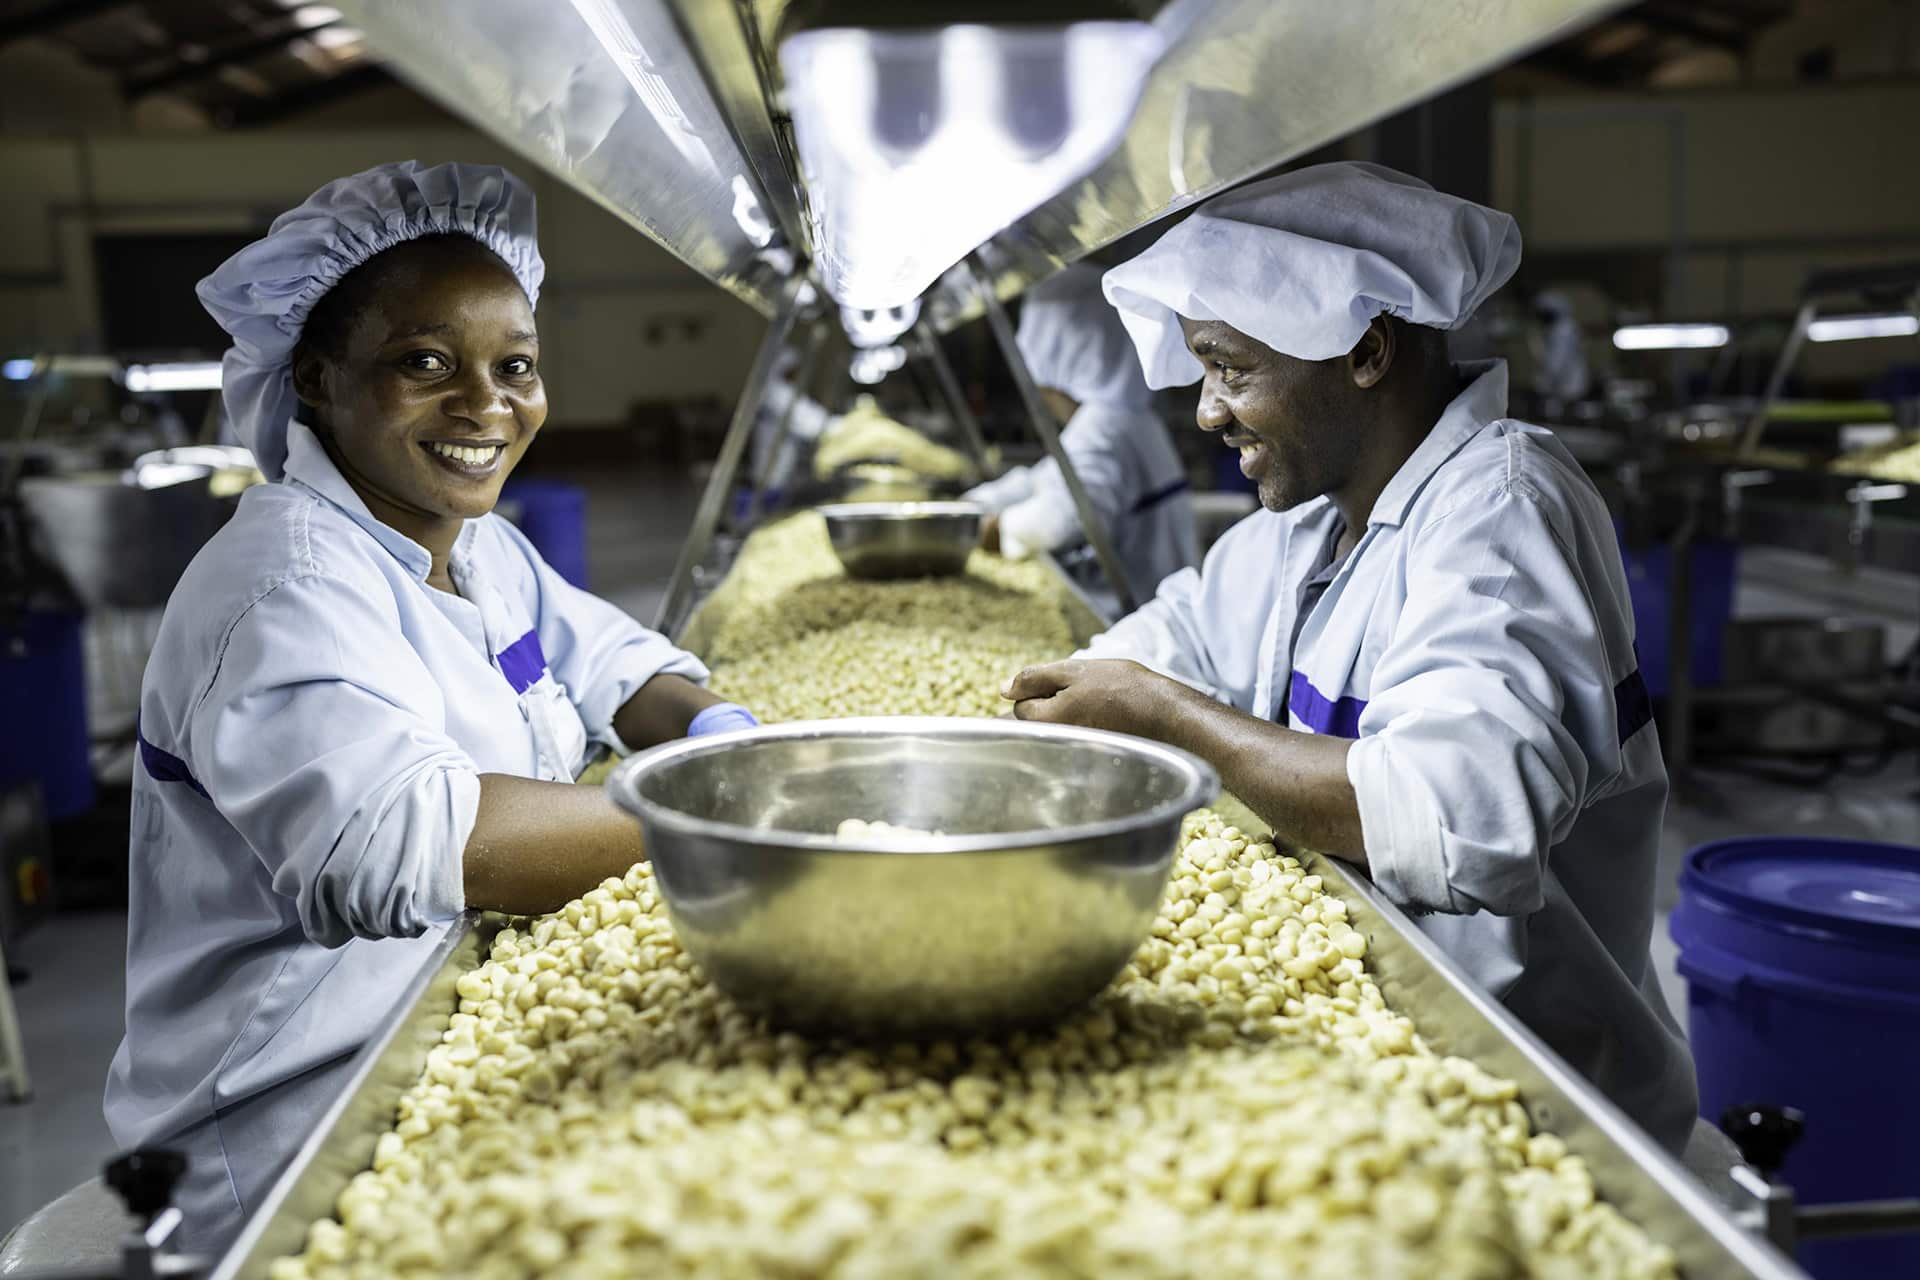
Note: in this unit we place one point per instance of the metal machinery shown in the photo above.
(1767, 472)
(679, 117)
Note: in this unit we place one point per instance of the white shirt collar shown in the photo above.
(1482, 401)
(308, 465)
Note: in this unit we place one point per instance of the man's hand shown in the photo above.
(1112, 694)
(990, 534)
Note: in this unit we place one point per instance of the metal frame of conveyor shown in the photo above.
(1049, 432)
(791, 301)
(955, 399)
(1874, 284)
(798, 384)
(1454, 1014)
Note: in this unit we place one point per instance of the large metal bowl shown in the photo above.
(903, 539)
(1056, 847)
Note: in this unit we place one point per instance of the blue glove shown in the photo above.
(722, 717)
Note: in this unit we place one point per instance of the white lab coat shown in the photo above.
(1134, 480)
(1478, 642)
(314, 723)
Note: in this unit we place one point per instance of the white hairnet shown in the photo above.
(263, 294)
(1073, 341)
(1305, 261)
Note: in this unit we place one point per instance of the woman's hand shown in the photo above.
(661, 711)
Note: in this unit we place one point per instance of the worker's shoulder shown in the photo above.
(282, 536)
(1509, 464)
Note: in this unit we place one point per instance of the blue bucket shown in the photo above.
(1802, 961)
(554, 518)
(43, 702)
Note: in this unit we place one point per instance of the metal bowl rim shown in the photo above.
(898, 510)
(1202, 785)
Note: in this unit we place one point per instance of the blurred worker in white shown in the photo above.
(1419, 657)
(805, 420)
(1083, 361)
(1560, 355)
(370, 696)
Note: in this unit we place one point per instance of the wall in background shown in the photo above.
(1728, 197)
(621, 320)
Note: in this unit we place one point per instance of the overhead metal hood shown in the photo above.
(668, 112)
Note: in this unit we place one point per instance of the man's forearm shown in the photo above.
(1295, 781)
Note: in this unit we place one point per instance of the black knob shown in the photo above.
(145, 1179)
(1763, 1133)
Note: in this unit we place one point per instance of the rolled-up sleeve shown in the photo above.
(1469, 767)
(321, 739)
(600, 654)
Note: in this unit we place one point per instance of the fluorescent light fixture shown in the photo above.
(1886, 324)
(315, 15)
(917, 146)
(198, 376)
(875, 363)
(1670, 337)
(16, 370)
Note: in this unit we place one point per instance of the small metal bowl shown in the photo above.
(1056, 846)
(903, 539)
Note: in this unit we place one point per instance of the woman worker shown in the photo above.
(1080, 355)
(370, 696)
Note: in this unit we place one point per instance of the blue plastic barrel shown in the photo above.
(1650, 587)
(1802, 961)
(554, 518)
(43, 704)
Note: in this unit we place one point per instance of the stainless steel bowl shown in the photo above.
(903, 539)
(1056, 847)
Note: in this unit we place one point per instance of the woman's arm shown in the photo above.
(661, 711)
(536, 846)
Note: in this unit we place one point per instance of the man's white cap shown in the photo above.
(1303, 263)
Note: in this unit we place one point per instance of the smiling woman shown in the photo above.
(370, 696)
(421, 374)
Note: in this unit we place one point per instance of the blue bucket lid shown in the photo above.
(1848, 888)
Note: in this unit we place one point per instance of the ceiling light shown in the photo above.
(315, 15)
(1886, 324)
(1670, 337)
(16, 370)
(196, 376)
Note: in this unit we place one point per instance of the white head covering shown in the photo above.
(1074, 342)
(1305, 261)
(263, 294)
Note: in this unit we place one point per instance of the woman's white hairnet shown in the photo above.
(1303, 263)
(263, 294)
(1073, 341)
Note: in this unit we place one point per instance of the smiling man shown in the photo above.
(1419, 656)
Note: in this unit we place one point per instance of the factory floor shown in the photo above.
(70, 1007)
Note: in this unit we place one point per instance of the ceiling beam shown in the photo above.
(1681, 21)
(318, 94)
(183, 70)
(49, 18)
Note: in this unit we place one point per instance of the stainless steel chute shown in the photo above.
(669, 112)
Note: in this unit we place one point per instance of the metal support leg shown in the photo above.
(13, 1050)
(956, 400)
(802, 378)
(1043, 426)
(1777, 381)
(707, 516)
